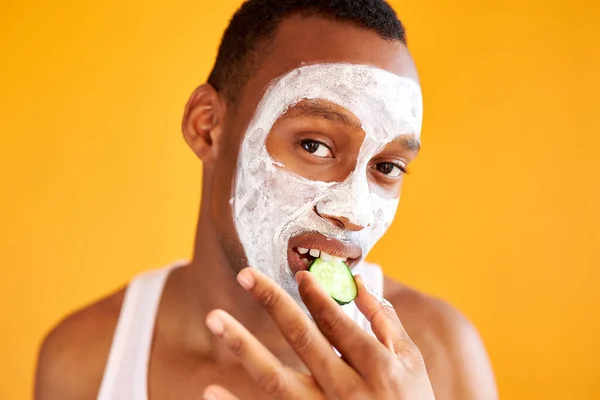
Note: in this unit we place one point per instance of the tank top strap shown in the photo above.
(372, 274)
(126, 372)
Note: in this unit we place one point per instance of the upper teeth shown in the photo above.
(323, 255)
(331, 259)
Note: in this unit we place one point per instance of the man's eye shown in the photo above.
(316, 148)
(391, 170)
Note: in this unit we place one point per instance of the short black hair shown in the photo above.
(245, 40)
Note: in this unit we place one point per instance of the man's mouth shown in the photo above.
(306, 248)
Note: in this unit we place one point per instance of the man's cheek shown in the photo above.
(287, 188)
(384, 216)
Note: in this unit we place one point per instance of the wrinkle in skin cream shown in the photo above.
(272, 205)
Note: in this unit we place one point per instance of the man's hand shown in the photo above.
(389, 367)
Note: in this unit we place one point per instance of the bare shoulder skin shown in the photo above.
(73, 355)
(453, 351)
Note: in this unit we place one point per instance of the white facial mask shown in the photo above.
(271, 205)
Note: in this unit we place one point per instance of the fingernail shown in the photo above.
(373, 293)
(390, 346)
(210, 396)
(368, 287)
(215, 325)
(299, 277)
(246, 279)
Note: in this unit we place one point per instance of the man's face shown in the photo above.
(320, 163)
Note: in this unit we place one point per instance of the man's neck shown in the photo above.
(208, 283)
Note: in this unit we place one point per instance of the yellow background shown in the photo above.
(501, 215)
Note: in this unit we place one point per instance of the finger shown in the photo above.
(297, 328)
(215, 392)
(264, 368)
(360, 350)
(383, 318)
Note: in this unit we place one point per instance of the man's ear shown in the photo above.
(203, 122)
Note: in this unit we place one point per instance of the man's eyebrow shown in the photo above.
(407, 142)
(410, 142)
(320, 110)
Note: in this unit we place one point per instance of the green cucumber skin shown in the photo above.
(342, 303)
(317, 261)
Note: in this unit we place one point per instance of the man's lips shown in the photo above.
(305, 248)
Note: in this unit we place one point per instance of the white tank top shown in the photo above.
(126, 373)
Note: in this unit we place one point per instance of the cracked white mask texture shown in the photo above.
(272, 205)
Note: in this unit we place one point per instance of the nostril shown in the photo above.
(336, 221)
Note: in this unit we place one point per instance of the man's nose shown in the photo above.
(348, 205)
(340, 221)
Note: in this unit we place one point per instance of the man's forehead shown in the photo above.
(363, 95)
(323, 41)
(337, 73)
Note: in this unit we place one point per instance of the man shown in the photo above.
(305, 127)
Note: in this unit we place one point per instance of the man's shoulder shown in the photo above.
(425, 315)
(447, 340)
(73, 354)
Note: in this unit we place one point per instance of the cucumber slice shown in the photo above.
(336, 278)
